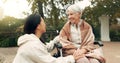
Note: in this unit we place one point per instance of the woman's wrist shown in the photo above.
(84, 50)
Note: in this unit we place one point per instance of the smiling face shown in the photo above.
(73, 17)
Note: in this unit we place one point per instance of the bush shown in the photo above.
(115, 35)
(49, 35)
(4, 43)
(8, 39)
(96, 31)
(8, 42)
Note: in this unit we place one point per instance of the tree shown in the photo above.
(10, 24)
(8, 33)
(53, 10)
(110, 8)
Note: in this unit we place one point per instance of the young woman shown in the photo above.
(33, 50)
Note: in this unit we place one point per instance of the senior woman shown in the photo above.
(77, 34)
(33, 50)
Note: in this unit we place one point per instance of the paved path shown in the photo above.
(111, 52)
(7, 54)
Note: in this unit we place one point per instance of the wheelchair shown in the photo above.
(59, 48)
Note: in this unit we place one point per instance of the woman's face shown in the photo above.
(73, 17)
(42, 26)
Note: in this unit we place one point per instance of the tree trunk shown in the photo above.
(40, 8)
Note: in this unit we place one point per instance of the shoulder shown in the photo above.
(31, 47)
(86, 25)
(67, 25)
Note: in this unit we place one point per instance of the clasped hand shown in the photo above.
(79, 53)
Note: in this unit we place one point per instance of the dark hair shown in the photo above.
(31, 23)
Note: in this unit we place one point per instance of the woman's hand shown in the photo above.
(93, 55)
(56, 39)
(78, 54)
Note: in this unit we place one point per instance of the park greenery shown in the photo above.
(9, 30)
(53, 12)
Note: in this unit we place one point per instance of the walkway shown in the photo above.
(111, 52)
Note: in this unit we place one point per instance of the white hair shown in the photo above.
(77, 7)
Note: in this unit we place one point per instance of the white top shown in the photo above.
(76, 34)
(32, 50)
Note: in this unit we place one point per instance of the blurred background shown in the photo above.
(102, 15)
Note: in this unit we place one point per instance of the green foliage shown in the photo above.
(8, 40)
(110, 8)
(8, 31)
(96, 31)
(49, 35)
(10, 24)
(4, 43)
(54, 13)
(115, 35)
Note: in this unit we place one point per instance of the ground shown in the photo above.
(110, 49)
(112, 52)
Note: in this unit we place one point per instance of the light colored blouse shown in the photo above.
(75, 34)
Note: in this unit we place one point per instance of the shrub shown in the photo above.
(115, 35)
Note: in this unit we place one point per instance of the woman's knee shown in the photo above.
(93, 60)
(83, 60)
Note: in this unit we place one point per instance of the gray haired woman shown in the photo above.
(76, 35)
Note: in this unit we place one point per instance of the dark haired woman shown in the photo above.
(32, 50)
